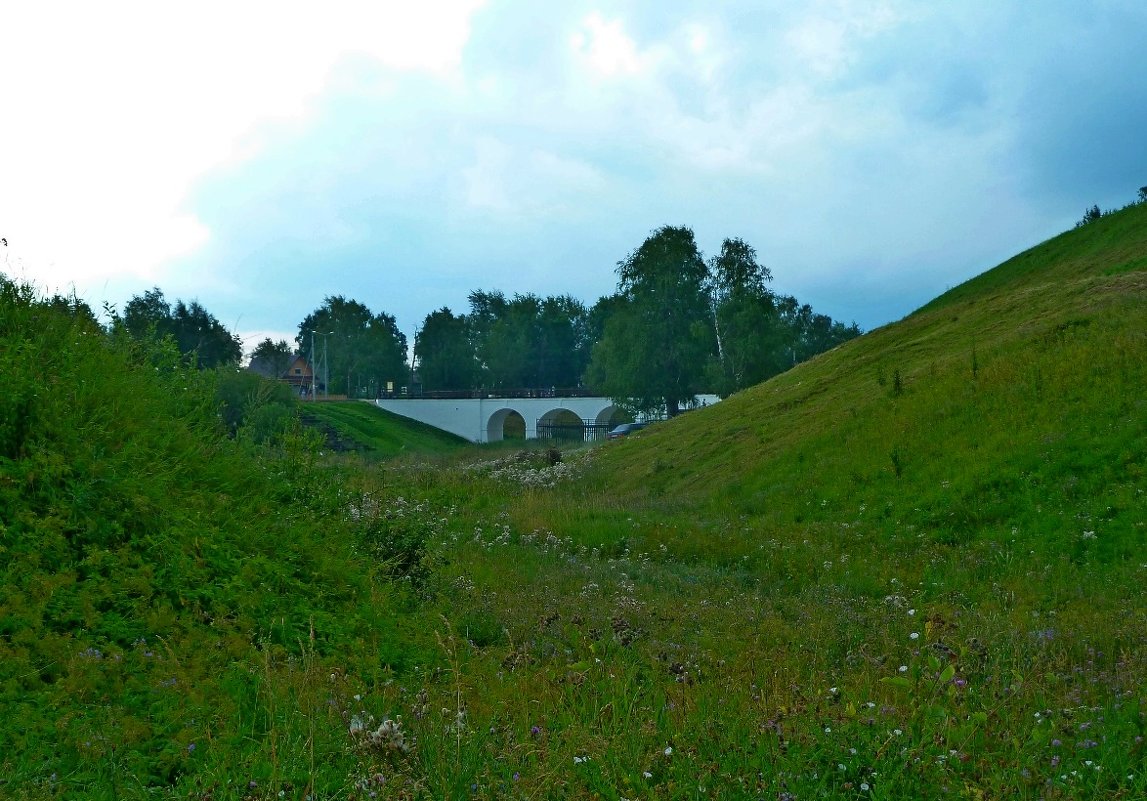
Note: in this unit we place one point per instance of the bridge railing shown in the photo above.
(523, 392)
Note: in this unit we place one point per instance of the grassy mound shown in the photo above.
(168, 594)
(377, 433)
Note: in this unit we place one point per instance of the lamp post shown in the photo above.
(314, 367)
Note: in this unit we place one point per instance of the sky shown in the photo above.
(259, 157)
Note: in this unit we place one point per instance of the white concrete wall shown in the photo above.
(470, 417)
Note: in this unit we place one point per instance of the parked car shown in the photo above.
(625, 429)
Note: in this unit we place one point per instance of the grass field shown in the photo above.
(912, 567)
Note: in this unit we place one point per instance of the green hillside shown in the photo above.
(377, 433)
(912, 567)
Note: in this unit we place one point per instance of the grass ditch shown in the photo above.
(911, 567)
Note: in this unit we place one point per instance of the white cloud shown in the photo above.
(605, 46)
(112, 110)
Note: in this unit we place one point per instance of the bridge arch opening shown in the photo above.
(505, 424)
(613, 415)
(561, 424)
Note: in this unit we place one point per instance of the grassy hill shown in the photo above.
(911, 567)
(363, 427)
(914, 563)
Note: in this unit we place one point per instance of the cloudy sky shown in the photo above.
(261, 156)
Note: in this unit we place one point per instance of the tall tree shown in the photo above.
(444, 352)
(271, 359)
(355, 351)
(200, 337)
(654, 347)
(744, 317)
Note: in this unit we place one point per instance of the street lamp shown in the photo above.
(326, 370)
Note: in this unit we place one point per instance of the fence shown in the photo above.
(586, 431)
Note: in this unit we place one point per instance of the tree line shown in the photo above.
(677, 325)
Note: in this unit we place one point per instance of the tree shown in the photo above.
(1089, 216)
(356, 351)
(744, 318)
(444, 353)
(655, 345)
(528, 341)
(271, 359)
(197, 332)
(201, 339)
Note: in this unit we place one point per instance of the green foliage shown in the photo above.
(263, 410)
(654, 347)
(357, 353)
(444, 352)
(271, 359)
(159, 583)
(523, 342)
(200, 338)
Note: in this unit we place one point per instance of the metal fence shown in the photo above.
(586, 431)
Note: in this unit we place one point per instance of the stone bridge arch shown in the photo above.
(506, 423)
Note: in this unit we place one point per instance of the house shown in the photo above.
(297, 374)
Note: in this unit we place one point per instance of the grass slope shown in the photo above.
(912, 567)
(379, 433)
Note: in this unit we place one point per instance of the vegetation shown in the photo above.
(354, 351)
(271, 359)
(377, 434)
(676, 327)
(200, 338)
(909, 567)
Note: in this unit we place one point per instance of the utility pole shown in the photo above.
(312, 360)
(326, 370)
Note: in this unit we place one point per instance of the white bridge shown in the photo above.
(490, 419)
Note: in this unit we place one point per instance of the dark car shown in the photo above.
(625, 429)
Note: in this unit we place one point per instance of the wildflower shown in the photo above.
(828, 730)
(897, 732)
(668, 750)
(911, 612)
(864, 786)
(903, 668)
(647, 774)
(578, 760)
(914, 635)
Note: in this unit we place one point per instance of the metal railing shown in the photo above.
(586, 431)
(523, 392)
